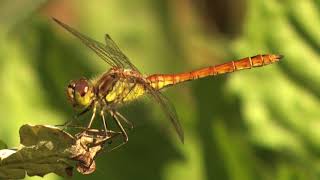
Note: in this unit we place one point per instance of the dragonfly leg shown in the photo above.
(104, 123)
(64, 125)
(125, 119)
(82, 112)
(67, 123)
(123, 132)
(93, 116)
(75, 118)
(91, 120)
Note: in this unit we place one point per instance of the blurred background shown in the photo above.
(257, 124)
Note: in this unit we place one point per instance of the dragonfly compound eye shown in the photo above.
(80, 93)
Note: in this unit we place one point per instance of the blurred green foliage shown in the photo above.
(256, 124)
(3, 145)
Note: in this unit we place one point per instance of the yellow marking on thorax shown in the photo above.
(125, 91)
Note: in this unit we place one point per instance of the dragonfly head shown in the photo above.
(80, 93)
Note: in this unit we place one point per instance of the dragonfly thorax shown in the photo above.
(80, 93)
(118, 86)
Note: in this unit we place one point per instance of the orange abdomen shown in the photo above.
(159, 81)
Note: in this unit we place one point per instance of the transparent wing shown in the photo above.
(108, 52)
(168, 108)
(117, 54)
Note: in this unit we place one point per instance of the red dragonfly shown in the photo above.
(123, 82)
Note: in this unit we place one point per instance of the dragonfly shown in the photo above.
(124, 83)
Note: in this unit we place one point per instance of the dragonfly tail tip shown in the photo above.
(276, 57)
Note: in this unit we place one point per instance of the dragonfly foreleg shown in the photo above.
(104, 123)
(67, 123)
(93, 115)
(82, 112)
(75, 118)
